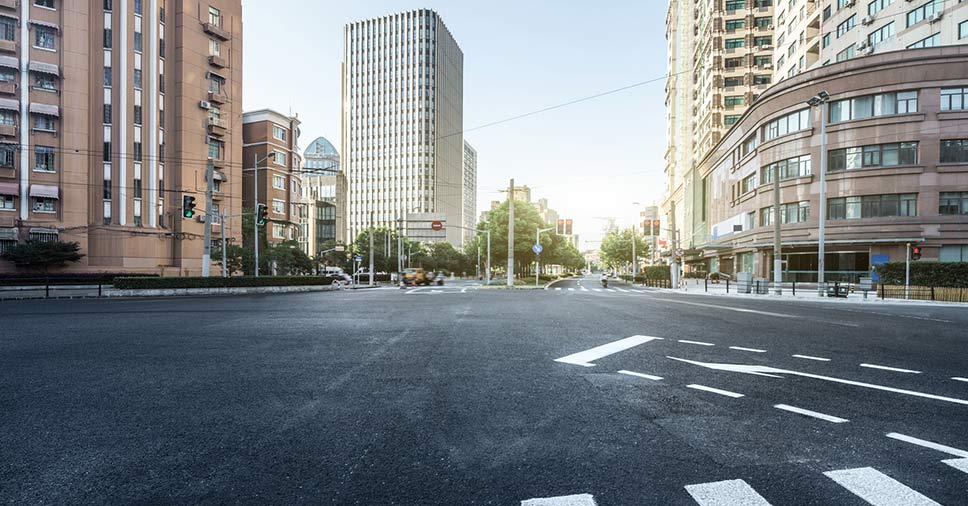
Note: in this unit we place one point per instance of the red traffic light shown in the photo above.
(916, 253)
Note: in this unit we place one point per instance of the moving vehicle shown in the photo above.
(417, 277)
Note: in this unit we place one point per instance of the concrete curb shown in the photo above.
(852, 299)
(182, 292)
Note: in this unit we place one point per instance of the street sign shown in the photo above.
(537, 249)
(358, 258)
(437, 226)
(679, 252)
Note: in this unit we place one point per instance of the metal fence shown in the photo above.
(933, 293)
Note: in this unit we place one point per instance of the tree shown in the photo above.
(237, 258)
(526, 222)
(289, 258)
(43, 255)
(617, 248)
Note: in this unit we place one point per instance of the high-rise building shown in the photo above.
(109, 114)
(469, 194)
(323, 189)
(402, 121)
(272, 140)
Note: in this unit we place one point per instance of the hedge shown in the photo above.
(946, 274)
(66, 278)
(144, 283)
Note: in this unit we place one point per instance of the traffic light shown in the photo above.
(655, 227)
(561, 227)
(916, 253)
(188, 206)
(568, 225)
(262, 215)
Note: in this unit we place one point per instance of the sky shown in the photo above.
(591, 160)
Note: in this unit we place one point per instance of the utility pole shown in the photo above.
(511, 234)
(907, 271)
(255, 210)
(221, 220)
(777, 249)
(207, 247)
(675, 245)
(488, 270)
(635, 261)
(821, 100)
(372, 230)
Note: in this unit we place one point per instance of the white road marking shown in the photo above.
(808, 357)
(726, 493)
(877, 488)
(585, 358)
(960, 379)
(727, 393)
(640, 375)
(928, 444)
(959, 464)
(700, 343)
(773, 372)
(621, 290)
(740, 348)
(558, 289)
(597, 289)
(728, 308)
(886, 368)
(610, 290)
(583, 288)
(565, 500)
(814, 414)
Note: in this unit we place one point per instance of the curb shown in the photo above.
(830, 300)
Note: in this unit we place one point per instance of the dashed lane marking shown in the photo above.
(929, 444)
(640, 375)
(812, 414)
(728, 308)
(585, 358)
(753, 350)
(700, 343)
(704, 388)
(565, 500)
(726, 493)
(956, 378)
(893, 369)
(877, 488)
(808, 357)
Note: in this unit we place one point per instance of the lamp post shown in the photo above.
(255, 203)
(821, 100)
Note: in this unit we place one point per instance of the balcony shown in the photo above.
(218, 98)
(217, 61)
(217, 126)
(8, 46)
(8, 130)
(8, 88)
(216, 31)
(9, 4)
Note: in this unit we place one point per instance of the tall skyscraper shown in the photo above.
(402, 121)
(109, 114)
(469, 194)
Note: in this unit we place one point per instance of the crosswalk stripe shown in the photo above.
(877, 488)
(565, 500)
(726, 493)
(959, 464)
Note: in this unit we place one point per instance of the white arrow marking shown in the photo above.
(585, 358)
(763, 371)
(959, 464)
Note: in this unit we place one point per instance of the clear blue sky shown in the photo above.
(590, 160)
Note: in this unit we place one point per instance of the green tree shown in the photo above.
(617, 248)
(289, 258)
(42, 255)
(237, 258)
(526, 222)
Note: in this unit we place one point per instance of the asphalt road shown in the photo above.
(462, 396)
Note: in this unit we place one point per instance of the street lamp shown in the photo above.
(255, 202)
(820, 100)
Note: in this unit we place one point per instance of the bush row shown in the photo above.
(947, 274)
(66, 278)
(144, 283)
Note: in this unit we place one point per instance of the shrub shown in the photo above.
(947, 274)
(133, 283)
(656, 272)
(65, 278)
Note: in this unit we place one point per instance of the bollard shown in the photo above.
(794, 288)
(706, 285)
(727, 285)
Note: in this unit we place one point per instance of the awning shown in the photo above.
(48, 109)
(40, 190)
(219, 176)
(9, 104)
(216, 74)
(5, 15)
(46, 68)
(9, 189)
(8, 234)
(10, 62)
(55, 26)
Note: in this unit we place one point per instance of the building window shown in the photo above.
(790, 168)
(8, 154)
(7, 203)
(735, 24)
(214, 17)
(106, 190)
(749, 183)
(869, 106)
(137, 79)
(44, 123)
(730, 120)
(136, 154)
(923, 12)
(44, 205)
(932, 41)
(847, 53)
(107, 5)
(953, 203)
(878, 155)
(107, 151)
(44, 159)
(735, 5)
(278, 206)
(215, 84)
(279, 182)
(7, 75)
(790, 123)
(214, 149)
(796, 212)
(138, 42)
(8, 118)
(107, 38)
(963, 30)
(44, 3)
(735, 43)
(278, 231)
(45, 37)
(278, 132)
(761, 61)
(766, 216)
(872, 206)
(846, 26)
(107, 114)
(733, 100)
(881, 34)
(954, 151)
(107, 77)
(764, 40)
(731, 82)
(45, 82)
(278, 157)
(137, 7)
(137, 115)
(953, 253)
(761, 80)
(732, 63)
(137, 189)
(8, 29)
(954, 99)
(214, 47)
(877, 6)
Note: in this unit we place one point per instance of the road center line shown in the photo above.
(814, 414)
(886, 368)
(808, 357)
(877, 488)
(640, 375)
(585, 358)
(740, 348)
(704, 388)
(928, 444)
(729, 308)
(700, 343)
(565, 500)
(726, 493)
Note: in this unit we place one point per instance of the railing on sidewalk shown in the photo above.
(932, 293)
(63, 287)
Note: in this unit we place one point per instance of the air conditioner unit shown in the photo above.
(934, 18)
(766, 47)
(768, 66)
(861, 46)
(867, 20)
(849, 3)
(200, 217)
(868, 50)
(205, 104)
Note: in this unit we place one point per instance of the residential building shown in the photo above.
(271, 143)
(107, 112)
(469, 194)
(402, 121)
(896, 170)
(322, 192)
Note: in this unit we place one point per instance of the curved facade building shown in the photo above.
(897, 170)
(321, 155)
(325, 190)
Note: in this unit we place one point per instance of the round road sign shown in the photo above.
(437, 226)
